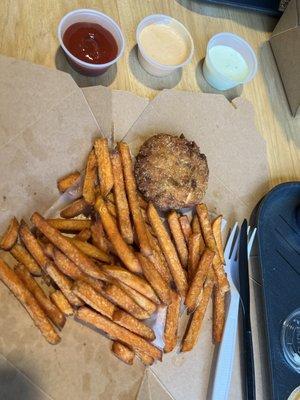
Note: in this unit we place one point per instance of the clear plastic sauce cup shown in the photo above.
(214, 70)
(151, 65)
(92, 16)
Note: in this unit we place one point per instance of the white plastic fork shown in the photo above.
(223, 372)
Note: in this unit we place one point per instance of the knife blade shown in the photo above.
(245, 301)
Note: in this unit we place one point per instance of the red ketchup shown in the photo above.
(91, 43)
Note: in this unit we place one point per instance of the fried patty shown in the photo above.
(171, 172)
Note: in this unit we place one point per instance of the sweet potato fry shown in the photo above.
(111, 208)
(99, 239)
(23, 257)
(168, 250)
(211, 244)
(10, 236)
(196, 247)
(32, 244)
(178, 237)
(217, 232)
(140, 299)
(195, 224)
(142, 202)
(94, 299)
(134, 325)
(123, 353)
(185, 227)
(199, 277)
(145, 358)
(121, 199)
(63, 282)
(88, 190)
(218, 314)
(106, 180)
(133, 200)
(67, 267)
(66, 182)
(119, 297)
(158, 259)
(83, 235)
(134, 281)
(69, 225)
(80, 259)
(90, 250)
(62, 303)
(11, 280)
(118, 332)
(49, 308)
(74, 209)
(171, 323)
(193, 328)
(156, 281)
(122, 249)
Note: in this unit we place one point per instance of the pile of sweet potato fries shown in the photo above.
(111, 260)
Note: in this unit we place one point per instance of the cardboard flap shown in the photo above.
(115, 111)
(290, 18)
(225, 132)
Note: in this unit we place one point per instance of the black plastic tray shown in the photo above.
(278, 226)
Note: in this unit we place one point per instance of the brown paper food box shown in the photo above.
(47, 127)
(285, 43)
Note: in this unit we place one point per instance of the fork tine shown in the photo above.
(251, 240)
(230, 241)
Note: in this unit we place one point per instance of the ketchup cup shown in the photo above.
(96, 17)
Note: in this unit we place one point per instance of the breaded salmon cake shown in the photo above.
(171, 172)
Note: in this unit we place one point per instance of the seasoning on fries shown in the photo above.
(121, 199)
(218, 314)
(168, 250)
(105, 175)
(178, 237)
(71, 251)
(134, 281)
(10, 236)
(185, 227)
(171, 323)
(139, 298)
(123, 352)
(95, 300)
(133, 199)
(69, 225)
(200, 275)
(23, 257)
(217, 232)
(66, 182)
(90, 250)
(122, 249)
(211, 244)
(88, 190)
(193, 329)
(53, 313)
(134, 325)
(119, 297)
(74, 209)
(160, 286)
(118, 332)
(11, 280)
(62, 303)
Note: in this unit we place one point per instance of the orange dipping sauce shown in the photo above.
(91, 43)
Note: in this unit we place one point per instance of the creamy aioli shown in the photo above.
(229, 63)
(164, 44)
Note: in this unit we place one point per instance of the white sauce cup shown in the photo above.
(97, 17)
(149, 64)
(215, 78)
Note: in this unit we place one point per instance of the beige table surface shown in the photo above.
(28, 31)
